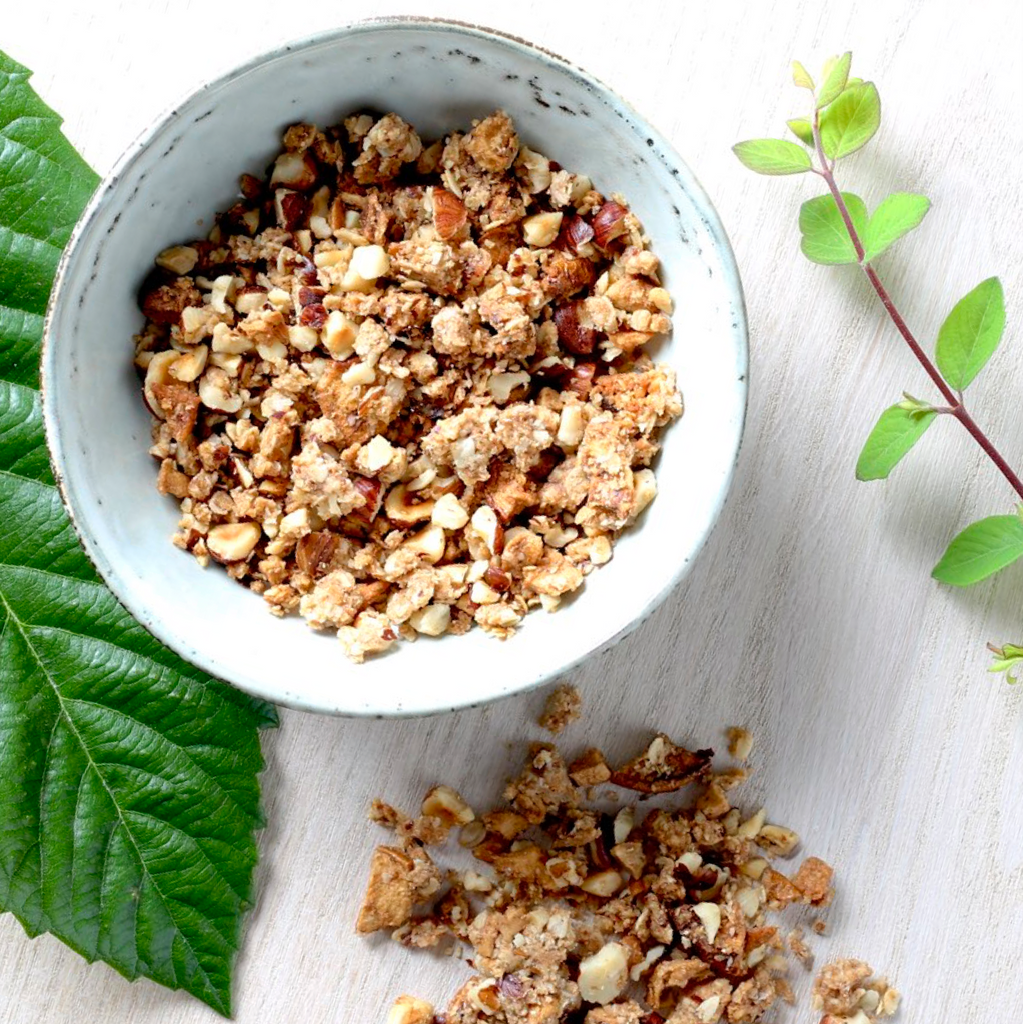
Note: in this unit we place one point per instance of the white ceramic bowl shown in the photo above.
(437, 75)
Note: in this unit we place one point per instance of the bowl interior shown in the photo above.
(438, 77)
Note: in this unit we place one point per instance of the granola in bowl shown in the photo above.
(401, 389)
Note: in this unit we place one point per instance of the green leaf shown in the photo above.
(971, 333)
(128, 780)
(825, 237)
(834, 81)
(772, 156)
(801, 77)
(981, 550)
(1008, 659)
(896, 216)
(802, 129)
(851, 121)
(896, 431)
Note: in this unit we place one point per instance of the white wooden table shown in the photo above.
(810, 616)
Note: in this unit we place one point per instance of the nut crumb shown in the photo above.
(740, 742)
(564, 706)
(800, 950)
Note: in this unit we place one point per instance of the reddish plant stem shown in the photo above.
(956, 407)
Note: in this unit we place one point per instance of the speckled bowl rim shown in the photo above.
(660, 148)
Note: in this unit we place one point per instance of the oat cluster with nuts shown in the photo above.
(848, 993)
(401, 388)
(606, 917)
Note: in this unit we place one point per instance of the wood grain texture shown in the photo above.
(809, 617)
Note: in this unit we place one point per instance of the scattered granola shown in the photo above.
(848, 993)
(800, 950)
(740, 742)
(400, 389)
(610, 917)
(564, 706)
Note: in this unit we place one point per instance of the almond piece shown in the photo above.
(429, 543)
(447, 804)
(433, 620)
(608, 223)
(541, 229)
(190, 365)
(777, 840)
(158, 372)
(604, 975)
(290, 208)
(369, 262)
(578, 232)
(603, 883)
(572, 335)
(216, 392)
(409, 1010)
(294, 170)
(447, 512)
(338, 334)
(178, 259)
(233, 542)
(710, 915)
(403, 512)
(740, 742)
(449, 213)
(249, 299)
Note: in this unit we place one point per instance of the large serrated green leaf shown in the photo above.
(129, 789)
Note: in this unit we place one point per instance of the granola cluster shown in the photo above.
(849, 993)
(573, 913)
(401, 388)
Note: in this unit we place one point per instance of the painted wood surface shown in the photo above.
(810, 616)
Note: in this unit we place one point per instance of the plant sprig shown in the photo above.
(837, 229)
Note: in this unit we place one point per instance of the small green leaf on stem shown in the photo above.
(801, 77)
(773, 156)
(897, 430)
(896, 216)
(834, 82)
(1008, 658)
(825, 238)
(982, 549)
(802, 129)
(851, 121)
(971, 333)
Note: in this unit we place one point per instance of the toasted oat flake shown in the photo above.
(398, 341)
